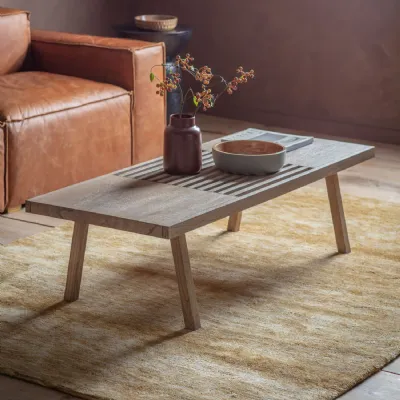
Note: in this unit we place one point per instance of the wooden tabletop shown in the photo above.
(145, 200)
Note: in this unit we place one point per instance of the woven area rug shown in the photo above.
(284, 317)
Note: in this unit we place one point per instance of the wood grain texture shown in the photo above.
(187, 290)
(77, 256)
(127, 202)
(234, 222)
(338, 217)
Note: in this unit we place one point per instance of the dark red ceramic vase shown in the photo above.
(182, 146)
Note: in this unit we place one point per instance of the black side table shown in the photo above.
(176, 42)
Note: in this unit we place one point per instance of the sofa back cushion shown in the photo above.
(15, 38)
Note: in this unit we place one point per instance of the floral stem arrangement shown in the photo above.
(182, 138)
(205, 98)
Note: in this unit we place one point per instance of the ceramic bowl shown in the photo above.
(156, 22)
(249, 157)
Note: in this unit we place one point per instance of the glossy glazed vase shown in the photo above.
(182, 146)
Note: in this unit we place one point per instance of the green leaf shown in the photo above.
(195, 101)
(152, 76)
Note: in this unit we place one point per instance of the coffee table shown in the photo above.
(145, 200)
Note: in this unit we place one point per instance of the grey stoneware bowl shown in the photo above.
(249, 157)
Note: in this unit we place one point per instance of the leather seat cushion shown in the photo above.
(25, 95)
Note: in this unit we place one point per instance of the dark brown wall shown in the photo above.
(322, 65)
(78, 16)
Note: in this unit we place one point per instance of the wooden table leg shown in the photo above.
(78, 247)
(185, 282)
(338, 218)
(234, 222)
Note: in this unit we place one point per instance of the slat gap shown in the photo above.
(207, 162)
(152, 176)
(138, 171)
(158, 178)
(147, 174)
(242, 182)
(278, 181)
(223, 180)
(263, 185)
(205, 178)
(272, 178)
(175, 179)
(250, 180)
(212, 179)
(206, 156)
(140, 167)
(171, 178)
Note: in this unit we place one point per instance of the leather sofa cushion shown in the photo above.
(25, 95)
(121, 62)
(15, 37)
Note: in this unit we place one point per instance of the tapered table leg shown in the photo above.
(234, 222)
(75, 266)
(185, 282)
(338, 218)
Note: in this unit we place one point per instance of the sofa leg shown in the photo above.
(12, 210)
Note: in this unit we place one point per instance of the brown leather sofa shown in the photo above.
(72, 107)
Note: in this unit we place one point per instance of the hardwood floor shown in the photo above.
(14, 389)
(381, 386)
(378, 178)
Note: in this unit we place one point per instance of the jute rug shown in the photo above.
(283, 316)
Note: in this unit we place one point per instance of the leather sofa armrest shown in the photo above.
(121, 62)
(15, 37)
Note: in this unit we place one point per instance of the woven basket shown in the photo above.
(156, 22)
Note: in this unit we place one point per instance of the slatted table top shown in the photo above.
(144, 199)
